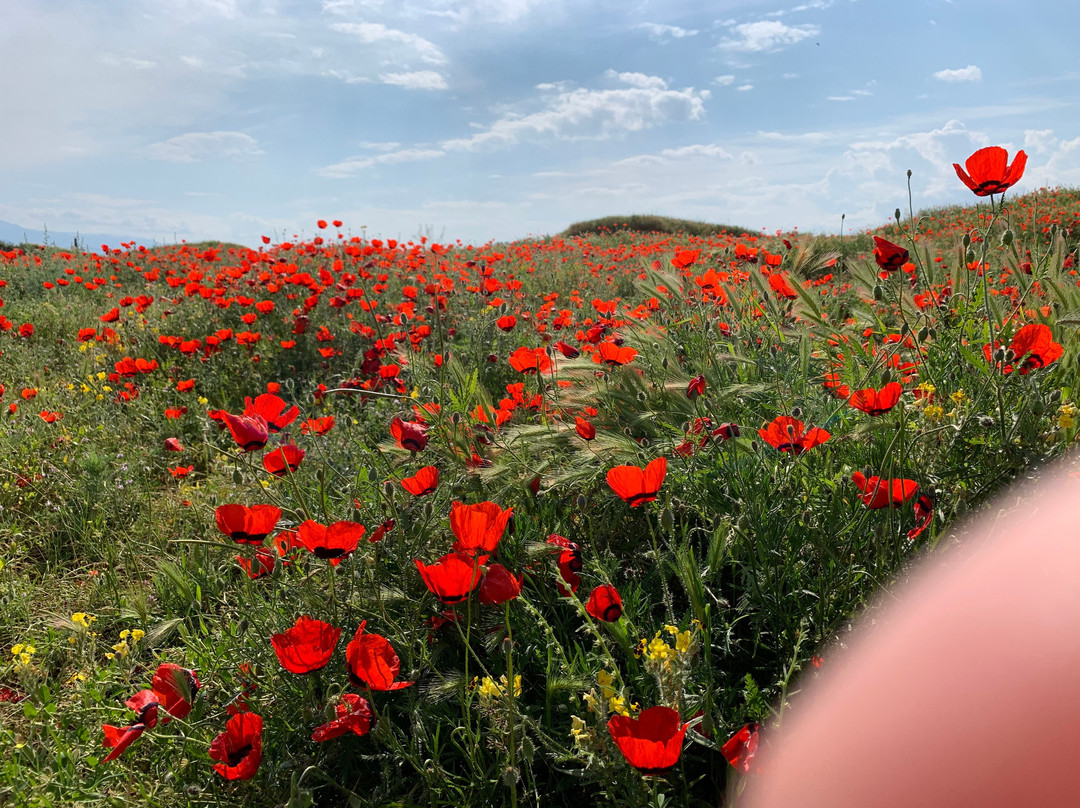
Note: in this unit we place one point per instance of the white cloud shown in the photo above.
(969, 73)
(194, 147)
(417, 80)
(841, 98)
(638, 80)
(127, 61)
(742, 88)
(352, 165)
(591, 115)
(724, 81)
(698, 150)
(374, 32)
(1039, 141)
(767, 35)
(661, 31)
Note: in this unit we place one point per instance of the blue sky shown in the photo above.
(497, 119)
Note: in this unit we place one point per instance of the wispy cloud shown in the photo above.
(661, 31)
(641, 80)
(766, 35)
(352, 165)
(372, 32)
(416, 80)
(724, 81)
(582, 114)
(193, 147)
(969, 73)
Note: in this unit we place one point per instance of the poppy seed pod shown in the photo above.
(796, 412)
(924, 332)
(1007, 238)
(879, 293)
(967, 240)
(896, 214)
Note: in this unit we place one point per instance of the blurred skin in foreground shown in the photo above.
(963, 689)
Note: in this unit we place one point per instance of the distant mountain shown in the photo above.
(14, 234)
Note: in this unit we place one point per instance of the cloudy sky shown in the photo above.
(497, 119)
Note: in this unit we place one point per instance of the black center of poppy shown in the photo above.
(328, 552)
(237, 757)
(612, 612)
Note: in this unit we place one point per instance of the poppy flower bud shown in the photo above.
(985, 421)
(924, 332)
(663, 363)
(388, 490)
(667, 520)
(1007, 238)
(967, 240)
(237, 476)
(319, 474)
(581, 502)
(896, 214)
(970, 255)
(796, 412)
(428, 509)
(455, 418)
(492, 358)
(879, 293)
(932, 331)
(1055, 396)
(642, 396)
(886, 377)
(905, 329)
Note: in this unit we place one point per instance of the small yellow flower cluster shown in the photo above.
(933, 413)
(23, 653)
(959, 398)
(489, 689)
(1066, 415)
(82, 619)
(614, 702)
(926, 389)
(658, 650)
(579, 730)
(128, 640)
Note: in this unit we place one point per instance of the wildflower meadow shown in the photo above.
(350, 521)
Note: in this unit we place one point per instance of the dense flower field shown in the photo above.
(359, 522)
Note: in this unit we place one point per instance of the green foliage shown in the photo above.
(648, 223)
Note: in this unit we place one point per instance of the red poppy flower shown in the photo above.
(381, 531)
(506, 323)
(1034, 343)
(409, 435)
(924, 515)
(424, 482)
(498, 585)
(879, 493)
(695, 388)
(584, 429)
(685, 258)
(988, 171)
(787, 434)
(333, 542)
(250, 433)
(781, 287)
(373, 662)
(173, 445)
(180, 472)
(605, 604)
(569, 351)
(530, 360)
(307, 646)
(175, 689)
(569, 563)
(271, 409)
(637, 486)
(453, 577)
(260, 566)
(652, 742)
(247, 525)
(239, 747)
(317, 426)
(285, 460)
(740, 748)
(889, 256)
(353, 715)
(876, 402)
(611, 354)
(146, 706)
(479, 527)
(118, 739)
(111, 316)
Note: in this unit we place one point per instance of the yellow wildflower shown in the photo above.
(82, 619)
(959, 397)
(578, 729)
(934, 412)
(1066, 415)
